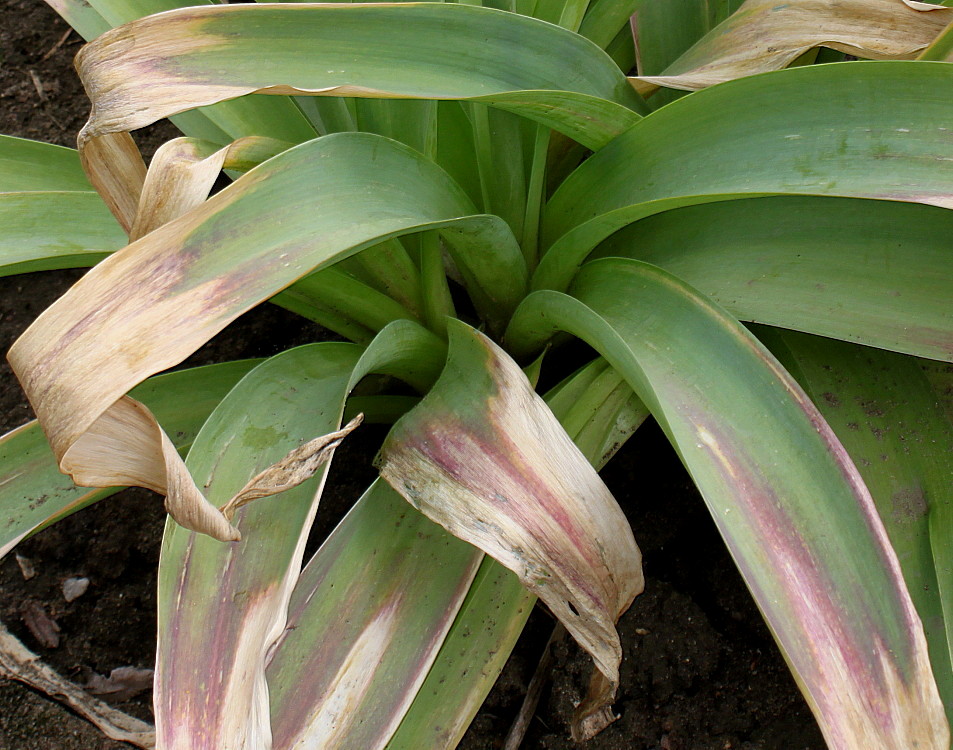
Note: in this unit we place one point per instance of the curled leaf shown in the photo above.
(298, 466)
(483, 456)
(764, 35)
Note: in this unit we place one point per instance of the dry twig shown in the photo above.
(17, 662)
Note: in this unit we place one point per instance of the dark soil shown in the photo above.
(701, 671)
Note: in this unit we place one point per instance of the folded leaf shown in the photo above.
(33, 492)
(152, 304)
(763, 35)
(196, 56)
(483, 456)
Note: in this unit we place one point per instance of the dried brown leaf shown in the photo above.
(763, 35)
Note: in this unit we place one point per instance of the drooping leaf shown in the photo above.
(497, 605)
(763, 35)
(193, 275)
(33, 492)
(484, 457)
(885, 413)
(556, 77)
(874, 272)
(790, 505)
(878, 133)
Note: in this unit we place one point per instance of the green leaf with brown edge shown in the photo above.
(194, 57)
(208, 266)
(790, 505)
(222, 606)
(33, 492)
(483, 456)
(885, 413)
(877, 132)
(872, 272)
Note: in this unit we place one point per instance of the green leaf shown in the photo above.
(33, 492)
(512, 62)
(473, 655)
(43, 231)
(884, 411)
(222, 606)
(598, 410)
(873, 272)
(790, 505)
(874, 134)
(366, 620)
(33, 166)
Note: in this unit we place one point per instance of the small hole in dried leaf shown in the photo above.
(573, 609)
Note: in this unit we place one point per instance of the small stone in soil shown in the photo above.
(74, 588)
(26, 567)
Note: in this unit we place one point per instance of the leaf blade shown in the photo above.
(845, 623)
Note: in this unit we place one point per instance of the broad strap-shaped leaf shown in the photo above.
(365, 623)
(878, 132)
(483, 456)
(152, 304)
(763, 35)
(334, 619)
(885, 413)
(33, 492)
(44, 231)
(589, 407)
(50, 214)
(223, 606)
(470, 660)
(32, 166)
(790, 505)
(194, 57)
(873, 272)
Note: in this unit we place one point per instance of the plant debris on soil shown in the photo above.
(701, 671)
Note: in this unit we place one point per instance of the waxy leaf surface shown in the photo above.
(790, 505)
(879, 131)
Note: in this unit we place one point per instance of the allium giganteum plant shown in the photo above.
(755, 244)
